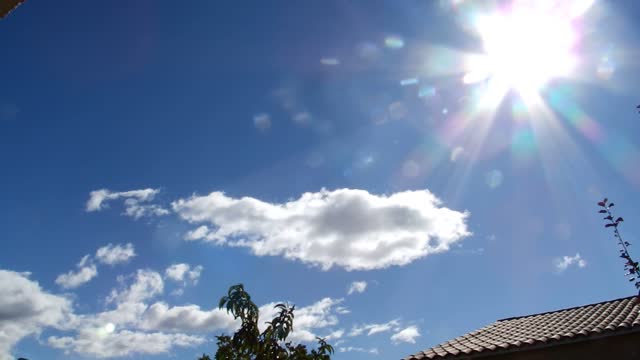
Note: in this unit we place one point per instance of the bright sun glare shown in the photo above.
(525, 46)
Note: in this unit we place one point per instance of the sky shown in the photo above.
(403, 172)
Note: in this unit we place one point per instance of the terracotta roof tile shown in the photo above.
(618, 315)
(7, 6)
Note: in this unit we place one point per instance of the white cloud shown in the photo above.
(133, 327)
(337, 334)
(87, 270)
(98, 198)
(563, 263)
(357, 287)
(134, 209)
(189, 318)
(122, 343)
(183, 272)
(73, 279)
(372, 329)
(133, 202)
(134, 324)
(199, 233)
(25, 309)
(262, 121)
(348, 228)
(407, 335)
(147, 284)
(115, 254)
(373, 351)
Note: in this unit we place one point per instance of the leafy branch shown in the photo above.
(632, 270)
(248, 343)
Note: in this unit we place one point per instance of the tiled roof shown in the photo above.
(7, 5)
(526, 332)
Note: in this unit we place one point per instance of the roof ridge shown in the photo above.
(566, 309)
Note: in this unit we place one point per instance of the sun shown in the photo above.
(525, 46)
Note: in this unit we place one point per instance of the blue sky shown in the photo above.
(384, 165)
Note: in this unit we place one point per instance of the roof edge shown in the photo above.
(543, 345)
(569, 308)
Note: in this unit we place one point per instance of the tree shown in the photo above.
(631, 267)
(248, 343)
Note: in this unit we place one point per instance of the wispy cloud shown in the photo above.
(352, 229)
(135, 202)
(566, 261)
(407, 335)
(373, 351)
(357, 287)
(74, 279)
(87, 269)
(372, 329)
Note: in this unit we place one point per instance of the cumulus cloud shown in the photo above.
(122, 343)
(357, 287)
(563, 263)
(372, 329)
(25, 309)
(73, 279)
(135, 202)
(134, 322)
(115, 254)
(189, 318)
(133, 326)
(138, 325)
(407, 335)
(348, 228)
(146, 285)
(183, 273)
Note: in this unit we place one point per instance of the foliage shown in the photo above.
(631, 267)
(248, 343)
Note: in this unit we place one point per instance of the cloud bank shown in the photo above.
(25, 309)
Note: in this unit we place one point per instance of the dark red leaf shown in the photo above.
(601, 203)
